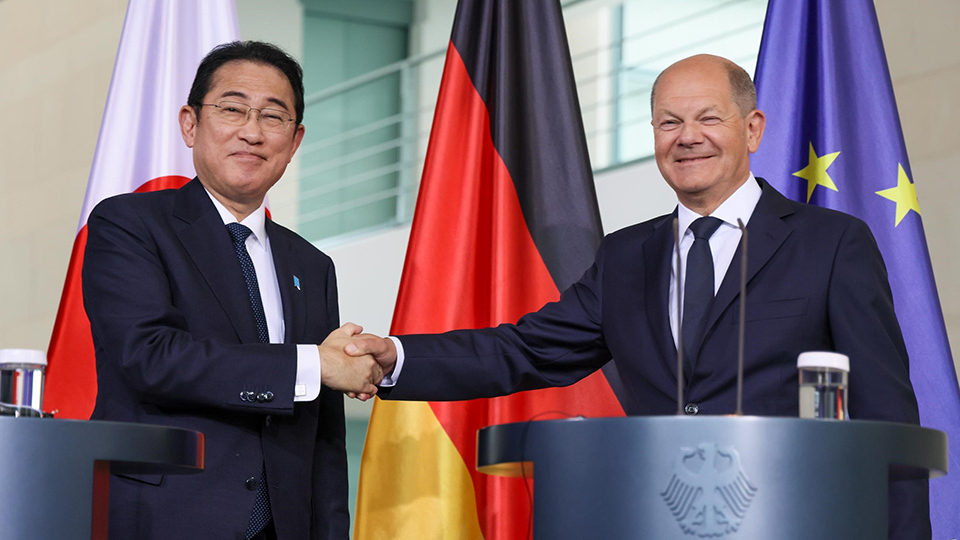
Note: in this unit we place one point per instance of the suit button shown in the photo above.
(261, 397)
(252, 484)
(269, 396)
(691, 408)
(243, 396)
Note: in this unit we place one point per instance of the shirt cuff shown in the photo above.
(391, 380)
(307, 386)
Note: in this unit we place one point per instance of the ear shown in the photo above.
(297, 139)
(756, 122)
(188, 124)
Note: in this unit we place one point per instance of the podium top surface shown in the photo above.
(908, 450)
(130, 448)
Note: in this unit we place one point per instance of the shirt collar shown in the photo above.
(256, 221)
(738, 205)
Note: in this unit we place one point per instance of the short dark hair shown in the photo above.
(742, 89)
(250, 51)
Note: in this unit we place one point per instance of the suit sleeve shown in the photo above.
(143, 341)
(555, 346)
(865, 327)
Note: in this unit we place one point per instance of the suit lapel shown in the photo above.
(294, 310)
(766, 232)
(657, 252)
(206, 240)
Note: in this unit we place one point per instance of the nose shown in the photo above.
(250, 130)
(690, 134)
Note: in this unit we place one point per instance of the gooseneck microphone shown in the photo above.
(679, 297)
(743, 314)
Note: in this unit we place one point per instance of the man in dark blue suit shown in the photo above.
(206, 314)
(815, 281)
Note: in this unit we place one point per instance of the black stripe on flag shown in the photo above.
(517, 56)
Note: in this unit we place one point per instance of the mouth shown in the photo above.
(248, 156)
(692, 159)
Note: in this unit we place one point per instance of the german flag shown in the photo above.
(506, 218)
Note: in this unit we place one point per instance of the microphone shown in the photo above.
(743, 314)
(679, 297)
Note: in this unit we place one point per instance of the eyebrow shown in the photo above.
(237, 93)
(701, 112)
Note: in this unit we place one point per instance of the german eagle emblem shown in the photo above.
(708, 493)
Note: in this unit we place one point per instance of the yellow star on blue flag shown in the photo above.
(815, 173)
(905, 195)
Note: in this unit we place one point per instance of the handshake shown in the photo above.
(354, 362)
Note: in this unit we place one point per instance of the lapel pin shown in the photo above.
(296, 282)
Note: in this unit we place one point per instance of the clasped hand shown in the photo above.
(355, 363)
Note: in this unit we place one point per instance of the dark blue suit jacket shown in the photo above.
(816, 281)
(176, 344)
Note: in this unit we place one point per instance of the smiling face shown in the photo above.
(239, 164)
(703, 140)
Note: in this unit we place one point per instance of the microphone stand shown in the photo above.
(743, 315)
(679, 296)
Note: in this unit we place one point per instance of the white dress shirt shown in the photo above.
(258, 246)
(723, 243)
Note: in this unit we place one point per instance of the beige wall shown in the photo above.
(55, 71)
(55, 67)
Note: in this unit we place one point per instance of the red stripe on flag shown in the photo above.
(71, 380)
(163, 182)
(472, 263)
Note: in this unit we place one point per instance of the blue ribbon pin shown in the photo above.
(296, 282)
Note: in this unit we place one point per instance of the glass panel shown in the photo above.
(349, 169)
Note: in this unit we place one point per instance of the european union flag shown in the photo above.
(833, 139)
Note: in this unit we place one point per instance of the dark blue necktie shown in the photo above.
(698, 289)
(239, 233)
(261, 507)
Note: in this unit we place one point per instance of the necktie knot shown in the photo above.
(238, 232)
(703, 228)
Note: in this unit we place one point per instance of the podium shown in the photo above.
(710, 477)
(56, 473)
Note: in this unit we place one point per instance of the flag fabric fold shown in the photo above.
(833, 139)
(506, 218)
(139, 149)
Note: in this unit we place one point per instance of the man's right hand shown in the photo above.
(358, 374)
(383, 350)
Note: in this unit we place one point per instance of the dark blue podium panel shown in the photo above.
(711, 477)
(55, 473)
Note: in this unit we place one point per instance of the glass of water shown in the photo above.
(823, 385)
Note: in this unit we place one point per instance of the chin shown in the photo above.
(693, 185)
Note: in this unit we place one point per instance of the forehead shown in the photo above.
(693, 86)
(254, 80)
